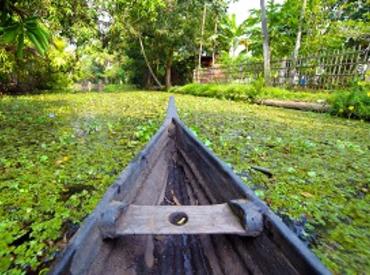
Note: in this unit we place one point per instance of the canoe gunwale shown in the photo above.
(277, 230)
(272, 221)
(63, 260)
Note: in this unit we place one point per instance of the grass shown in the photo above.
(253, 92)
(351, 103)
(61, 151)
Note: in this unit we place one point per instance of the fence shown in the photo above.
(323, 71)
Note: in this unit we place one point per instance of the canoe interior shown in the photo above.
(176, 169)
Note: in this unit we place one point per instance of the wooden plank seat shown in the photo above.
(238, 217)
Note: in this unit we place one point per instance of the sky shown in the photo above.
(241, 8)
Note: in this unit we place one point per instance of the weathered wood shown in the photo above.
(174, 220)
(237, 217)
(297, 105)
(176, 170)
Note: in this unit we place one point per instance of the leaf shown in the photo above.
(44, 158)
(307, 194)
(11, 33)
(20, 46)
(260, 193)
(291, 170)
(62, 160)
(207, 143)
(36, 43)
(311, 174)
(41, 37)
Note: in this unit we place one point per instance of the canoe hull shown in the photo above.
(175, 168)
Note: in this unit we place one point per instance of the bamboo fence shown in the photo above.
(339, 68)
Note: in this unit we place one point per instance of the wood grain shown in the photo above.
(204, 219)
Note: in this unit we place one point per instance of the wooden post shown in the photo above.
(335, 68)
(353, 57)
(340, 65)
(358, 60)
(366, 62)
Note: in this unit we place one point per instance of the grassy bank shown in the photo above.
(60, 152)
(251, 93)
(353, 103)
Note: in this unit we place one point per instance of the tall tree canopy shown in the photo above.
(169, 32)
(52, 44)
(329, 24)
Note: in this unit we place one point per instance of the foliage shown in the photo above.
(97, 64)
(248, 92)
(319, 165)
(354, 103)
(170, 33)
(329, 24)
(41, 42)
(16, 25)
(232, 34)
(33, 73)
(60, 152)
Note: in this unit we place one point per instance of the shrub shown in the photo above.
(229, 91)
(248, 92)
(355, 103)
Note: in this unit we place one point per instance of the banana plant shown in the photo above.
(232, 33)
(15, 32)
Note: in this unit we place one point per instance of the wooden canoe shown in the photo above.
(178, 209)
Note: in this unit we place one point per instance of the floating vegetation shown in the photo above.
(60, 152)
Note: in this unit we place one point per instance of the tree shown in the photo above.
(17, 24)
(266, 47)
(201, 36)
(298, 40)
(299, 33)
(30, 31)
(170, 35)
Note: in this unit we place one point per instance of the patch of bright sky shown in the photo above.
(241, 8)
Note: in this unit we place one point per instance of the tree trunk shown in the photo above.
(147, 63)
(266, 47)
(299, 34)
(201, 39)
(298, 40)
(214, 46)
(168, 70)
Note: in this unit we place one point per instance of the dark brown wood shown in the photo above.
(176, 170)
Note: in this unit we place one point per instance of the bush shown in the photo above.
(248, 92)
(355, 103)
(230, 91)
